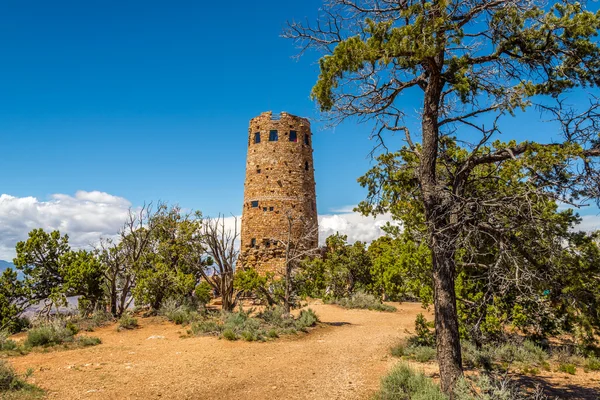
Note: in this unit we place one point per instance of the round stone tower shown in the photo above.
(280, 185)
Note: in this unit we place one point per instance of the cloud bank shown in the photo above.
(86, 217)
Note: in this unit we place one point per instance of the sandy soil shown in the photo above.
(345, 358)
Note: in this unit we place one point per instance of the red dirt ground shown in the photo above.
(345, 358)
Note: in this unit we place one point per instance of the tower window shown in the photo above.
(257, 137)
(267, 243)
(293, 136)
(306, 166)
(306, 139)
(258, 170)
(264, 208)
(254, 204)
(273, 136)
(253, 242)
(271, 208)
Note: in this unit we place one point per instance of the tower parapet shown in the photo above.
(279, 183)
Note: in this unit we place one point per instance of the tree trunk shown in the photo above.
(446, 319)
(438, 217)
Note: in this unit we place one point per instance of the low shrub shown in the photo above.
(229, 334)
(568, 368)
(363, 300)
(592, 364)
(14, 386)
(422, 354)
(306, 319)
(128, 322)
(179, 314)
(527, 353)
(398, 350)
(474, 357)
(49, 334)
(9, 380)
(88, 341)
(403, 383)
(7, 344)
(423, 335)
(268, 324)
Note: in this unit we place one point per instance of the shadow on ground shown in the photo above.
(554, 390)
(337, 323)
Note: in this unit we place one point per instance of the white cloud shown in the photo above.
(356, 226)
(86, 217)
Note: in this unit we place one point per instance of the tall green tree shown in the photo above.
(39, 259)
(469, 63)
(82, 274)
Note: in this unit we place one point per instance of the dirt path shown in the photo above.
(344, 359)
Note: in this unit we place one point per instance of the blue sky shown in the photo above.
(150, 100)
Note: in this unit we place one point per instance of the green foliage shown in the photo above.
(400, 268)
(423, 335)
(127, 321)
(568, 368)
(14, 386)
(39, 258)
(403, 383)
(204, 293)
(592, 364)
(268, 324)
(7, 344)
(12, 304)
(229, 334)
(87, 341)
(49, 334)
(306, 319)
(365, 301)
(83, 275)
(343, 270)
(180, 314)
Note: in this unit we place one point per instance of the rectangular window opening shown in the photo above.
(254, 204)
(271, 208)
(253, 242)
(306, 139)
(293, 136)
(273, 136)
(257, 137)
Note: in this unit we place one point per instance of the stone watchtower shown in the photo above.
(280, 182)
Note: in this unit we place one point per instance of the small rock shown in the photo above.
(155, 337)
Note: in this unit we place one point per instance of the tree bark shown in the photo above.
(437, 206)
(446, 319)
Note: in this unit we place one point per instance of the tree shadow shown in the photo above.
(558, 390)
(337, 323)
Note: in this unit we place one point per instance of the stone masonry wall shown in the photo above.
(279, 180)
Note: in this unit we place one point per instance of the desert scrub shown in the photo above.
(403, 383)
(127, 322)
(97, 319)
(7, 344)
(179, 314)
(269, 324)
(568, 368)
(48, 334)
(87, 341)
(420, 354)
(14, 386)
(363, 301)
(592, 364)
